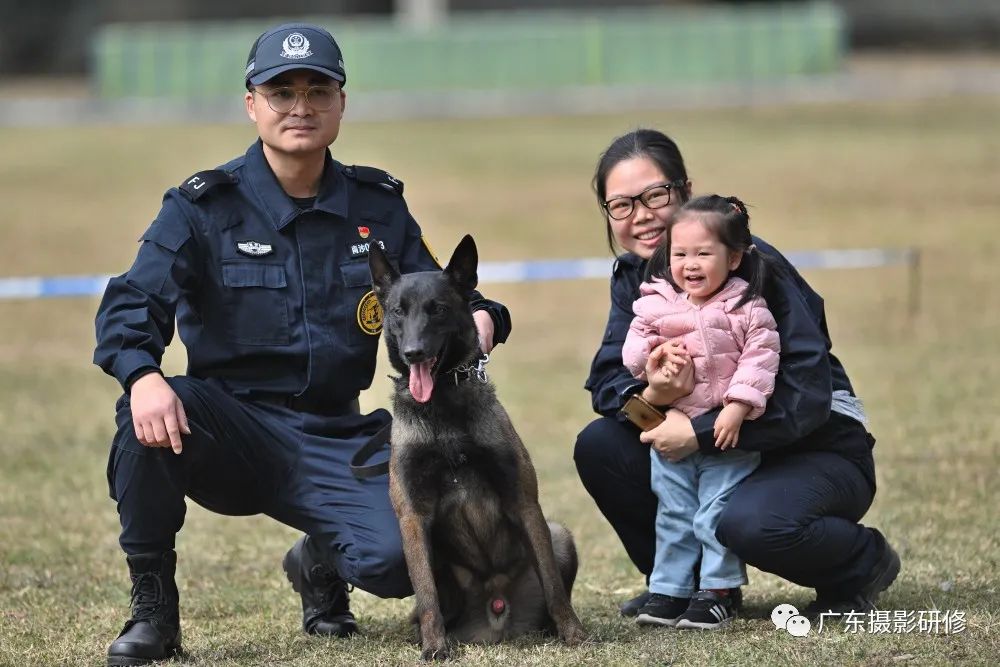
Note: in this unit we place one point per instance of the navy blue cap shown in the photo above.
(294, 46)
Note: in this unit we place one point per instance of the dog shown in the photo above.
(484, 563)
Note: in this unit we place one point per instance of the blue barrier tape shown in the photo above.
(493, 272)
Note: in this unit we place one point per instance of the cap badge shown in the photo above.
(295, 47)
(254, 248)
(363, 232)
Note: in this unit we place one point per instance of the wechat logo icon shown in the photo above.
(787, 617)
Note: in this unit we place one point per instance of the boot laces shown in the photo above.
(147, 595)
(332, 590)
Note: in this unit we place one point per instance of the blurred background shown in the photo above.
(475, 57)
(846, 124)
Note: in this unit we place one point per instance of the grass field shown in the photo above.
(899, 174)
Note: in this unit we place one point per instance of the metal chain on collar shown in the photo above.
(477, 371)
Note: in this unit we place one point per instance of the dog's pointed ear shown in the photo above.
(462, 265)
(383, 274)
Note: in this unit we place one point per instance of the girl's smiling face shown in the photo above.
(641, 231)
(699, 262)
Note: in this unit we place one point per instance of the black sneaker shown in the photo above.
(883, 574)
(708, 611)
(325, 603)
(662, 610)
(630, 608)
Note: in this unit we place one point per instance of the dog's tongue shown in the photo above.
(421, 381)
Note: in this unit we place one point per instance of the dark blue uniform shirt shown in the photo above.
(270, 299)
(808, 373)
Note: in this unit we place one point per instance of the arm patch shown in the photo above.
(374, 176)
(197, 185)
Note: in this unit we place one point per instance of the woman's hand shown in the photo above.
(669, 372)
(674, 439)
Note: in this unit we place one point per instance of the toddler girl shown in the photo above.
(692, 296)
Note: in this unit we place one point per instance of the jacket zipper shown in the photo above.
(709, 364)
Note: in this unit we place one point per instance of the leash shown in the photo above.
(368, 450)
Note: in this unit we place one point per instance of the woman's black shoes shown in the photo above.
(863, 601)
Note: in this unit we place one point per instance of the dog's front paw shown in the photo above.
(572, 633)
(437, 651)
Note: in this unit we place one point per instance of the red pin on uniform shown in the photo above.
(364, 232)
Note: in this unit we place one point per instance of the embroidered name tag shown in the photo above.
(254, 248)
(361, 249)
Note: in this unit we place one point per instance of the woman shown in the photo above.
(797, 514)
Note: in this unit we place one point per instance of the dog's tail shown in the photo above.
(564, 549)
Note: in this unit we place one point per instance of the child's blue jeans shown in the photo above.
(692, 494)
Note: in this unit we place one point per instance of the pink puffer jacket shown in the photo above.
(735, 350)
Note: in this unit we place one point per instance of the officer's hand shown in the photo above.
(157, 413)
(484, 324)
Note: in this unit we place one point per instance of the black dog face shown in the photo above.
(428, 325)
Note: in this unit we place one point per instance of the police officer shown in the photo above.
(263, 262)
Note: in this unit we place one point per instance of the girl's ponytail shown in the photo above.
(729, 220)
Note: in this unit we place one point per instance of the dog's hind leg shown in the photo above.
(540, 540)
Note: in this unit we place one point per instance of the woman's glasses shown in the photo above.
(284, 98)
(655, 196)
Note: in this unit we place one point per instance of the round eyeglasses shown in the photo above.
(655, 196)
(284, 98)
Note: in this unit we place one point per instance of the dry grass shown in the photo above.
(921, 174)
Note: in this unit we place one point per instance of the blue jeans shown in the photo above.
(692, 495)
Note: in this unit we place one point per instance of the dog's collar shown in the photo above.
(475, 371)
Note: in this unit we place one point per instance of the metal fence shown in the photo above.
(489, 51)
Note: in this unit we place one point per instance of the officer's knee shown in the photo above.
(379, 568)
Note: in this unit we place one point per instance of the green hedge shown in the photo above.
(512, 50)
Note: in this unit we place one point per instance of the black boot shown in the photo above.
(863, 601)
(154, 631)
(325, 605)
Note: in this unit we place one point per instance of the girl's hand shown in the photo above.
(728, 423)
(669, 372)
(674, 439)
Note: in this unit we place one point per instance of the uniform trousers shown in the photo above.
(795, 516)
(247, 457)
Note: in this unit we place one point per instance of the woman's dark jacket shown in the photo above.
(807, 376)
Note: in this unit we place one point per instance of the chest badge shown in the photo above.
(254, 248)
(370, 314)
(363, 232)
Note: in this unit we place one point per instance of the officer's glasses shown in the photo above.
(655, 196)
(284, 98)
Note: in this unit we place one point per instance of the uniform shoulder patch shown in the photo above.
(374, 176)
(197, 185)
